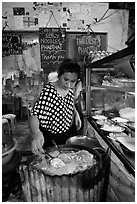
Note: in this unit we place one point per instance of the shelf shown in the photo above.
(113, 88)
(115, 58)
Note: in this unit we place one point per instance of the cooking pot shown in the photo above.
(82, 186)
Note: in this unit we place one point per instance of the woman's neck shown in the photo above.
(60, 89)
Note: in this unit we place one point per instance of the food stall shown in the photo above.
(90, 174)
(98, 164)
(110, 108)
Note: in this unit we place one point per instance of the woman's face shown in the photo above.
(68, 80)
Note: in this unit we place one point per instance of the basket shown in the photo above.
(83, 186)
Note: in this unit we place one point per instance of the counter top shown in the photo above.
(129, 162)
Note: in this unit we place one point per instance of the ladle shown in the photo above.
(56, 146)
(53, 161)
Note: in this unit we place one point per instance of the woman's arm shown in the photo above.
(36, 135)
(77, 119)
(34, 123)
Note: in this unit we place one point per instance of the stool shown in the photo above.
(5, 127)
(12, 121)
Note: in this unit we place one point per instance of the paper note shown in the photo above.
(18, 22)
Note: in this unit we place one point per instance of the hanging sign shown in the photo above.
(11, 43)
(52, 46)
(87, 43)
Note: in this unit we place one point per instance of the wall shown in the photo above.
(75, 15)
(23, 73)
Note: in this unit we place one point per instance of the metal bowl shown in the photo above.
(6, 156)
(83, 141)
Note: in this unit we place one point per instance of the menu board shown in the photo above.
(86, 43)
(52, 46)
(11, 43)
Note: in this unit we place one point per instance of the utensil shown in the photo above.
(120, 120)
(131, 128)
(56, 146)
(53, 161)
(45, 155)
(121, 124)
(48, 155)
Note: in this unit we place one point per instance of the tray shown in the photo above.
(120, 120)
(128, 142)
(99, 117)
(113, 128)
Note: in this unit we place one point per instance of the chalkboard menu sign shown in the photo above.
(52, 46)
(86, 43)
(11, 43)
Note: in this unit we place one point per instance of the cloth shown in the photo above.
(55, 113)
(53, 76)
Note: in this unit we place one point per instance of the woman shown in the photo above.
(54, 112)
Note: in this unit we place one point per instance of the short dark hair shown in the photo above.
(69, 65)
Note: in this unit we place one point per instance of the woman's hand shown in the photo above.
(78, 121)
(37, 143)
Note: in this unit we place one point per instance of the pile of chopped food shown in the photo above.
(66, 163)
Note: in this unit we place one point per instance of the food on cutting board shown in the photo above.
(66, 163)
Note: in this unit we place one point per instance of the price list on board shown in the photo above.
(52, 46)
(11, 43)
